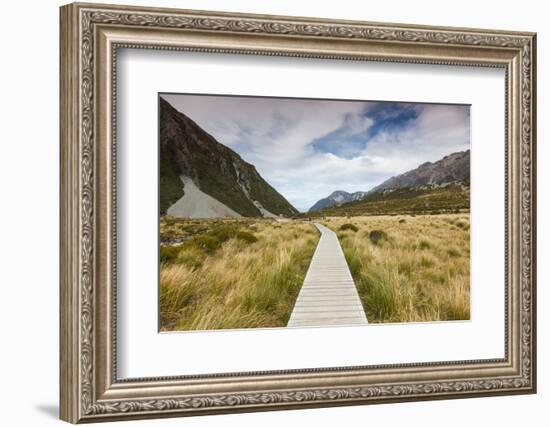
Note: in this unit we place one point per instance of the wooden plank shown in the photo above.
(328, 295)
(325, 303)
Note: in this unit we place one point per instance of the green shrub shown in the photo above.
(424, 244)
(388, 294)
(376, 236)
(207, 243)
(402, 220)
(426, 262)
(214, 239)
(224, 232)
(462, 224)
(191, 257)
(453, 252)
(406, 267)
(435, 276)
(169, 253)
(354, 261)
(348, 226)
(245, 236)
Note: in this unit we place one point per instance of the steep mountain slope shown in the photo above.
(454, 168)
(188, 151)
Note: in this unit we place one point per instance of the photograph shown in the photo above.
(290, 212)
(269, 212)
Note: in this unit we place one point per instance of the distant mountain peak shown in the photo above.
(337, 198)
(339, 193)
(452, 168)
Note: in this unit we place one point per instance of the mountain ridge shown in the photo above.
(452, 168)
(337, 197)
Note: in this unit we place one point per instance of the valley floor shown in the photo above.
(247, 273)
(409, 268)
(231, 273)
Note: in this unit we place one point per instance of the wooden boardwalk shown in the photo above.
(328, 296)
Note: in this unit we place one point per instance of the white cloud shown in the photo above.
(275, 130)
(439, 130)
(277, 136)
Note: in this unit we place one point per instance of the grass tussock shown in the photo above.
(348, 226)
(424, 244)
(401, 277)
(377, 236)
(222, 274)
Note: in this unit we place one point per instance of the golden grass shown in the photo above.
(419, 271)
(237, 282)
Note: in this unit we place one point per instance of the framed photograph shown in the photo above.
(266, 212)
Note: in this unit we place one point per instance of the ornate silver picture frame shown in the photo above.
(91, 35)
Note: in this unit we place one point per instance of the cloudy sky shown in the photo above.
(308, 148)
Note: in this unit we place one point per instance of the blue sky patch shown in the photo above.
(390, 116)
(352, 138)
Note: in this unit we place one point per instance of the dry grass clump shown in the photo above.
(424, 244)
(419, 271)
(377, 236)
(234, 275)
(348, 226)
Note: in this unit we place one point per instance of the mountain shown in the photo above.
(217, 178)
(421, 200)
(337, 198)
(454, 168)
